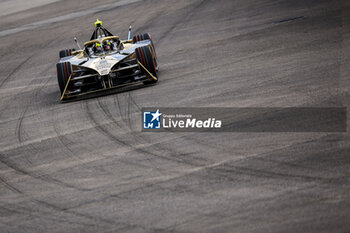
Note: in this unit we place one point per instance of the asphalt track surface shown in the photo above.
(84, 166)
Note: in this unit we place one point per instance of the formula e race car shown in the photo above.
(106, 62)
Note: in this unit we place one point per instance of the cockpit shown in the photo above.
(102, 46)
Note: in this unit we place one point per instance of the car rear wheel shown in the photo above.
(144, 55)
(64, 70)
(66, 52)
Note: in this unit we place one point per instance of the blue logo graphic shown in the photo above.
(151, 120)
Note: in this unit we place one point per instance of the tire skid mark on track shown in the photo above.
(9, 186)
(42, 140)
(127, 118)
(108, 114)
(100, 127)
(138, 136)
(86, 216)
(18, 129)
(268, 174)
(36, 91)
(46, 204)
(36, 175)
(64, 210)
(178, 158)
(39, 112)
(20, 120)
(140, 139)
(62, 140)
(118, 108)
(151, 184)
(229, 149)
(35, 213)
(117, 104)
(232, 170)
(285, 163)
(129, 146)
(108, 134)
(11, 210)
(75, 156)
(129, 114)
(216, 170)
(42, 203)
(15, 70)
(104, 131)
(245, 203)
(183, 20)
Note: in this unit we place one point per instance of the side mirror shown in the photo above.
(76, 41)
(129, 34)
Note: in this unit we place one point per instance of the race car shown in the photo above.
(106, 62)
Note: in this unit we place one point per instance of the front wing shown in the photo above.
(78, 85)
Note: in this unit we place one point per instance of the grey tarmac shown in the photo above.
(85, 166)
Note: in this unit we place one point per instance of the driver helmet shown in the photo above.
(98, 48)
(107, 45)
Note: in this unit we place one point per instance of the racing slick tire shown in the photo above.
(64, 70)
(141, 37)
(146, 36)
(144, 56)
(66, 52)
